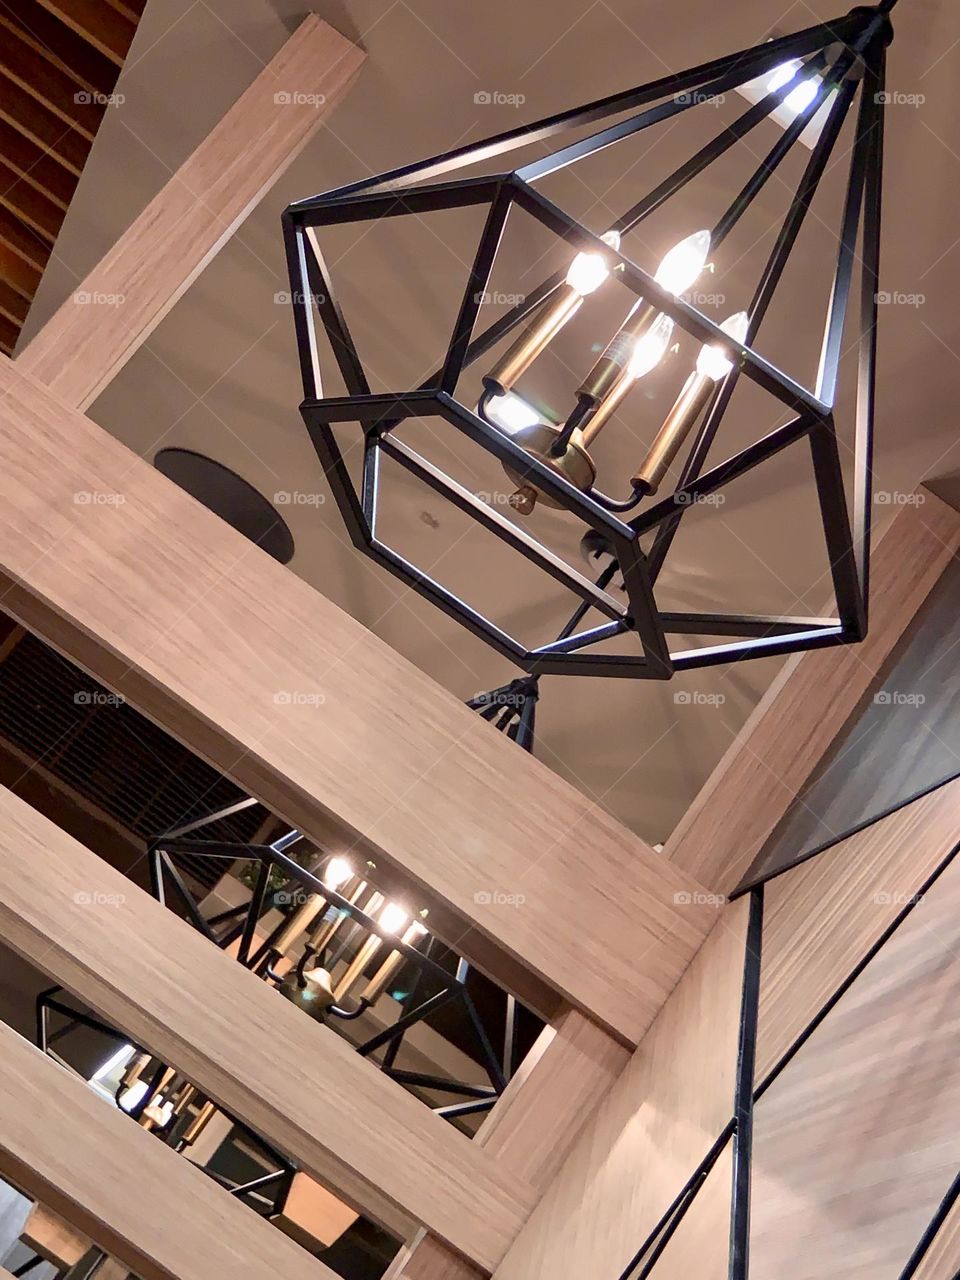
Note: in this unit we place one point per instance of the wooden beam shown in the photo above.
(533, 1125)
(38, 169)
(132, 1195)
(47, 1234)
(650, 1132)
(307, 710)
(806, 707)
(196, 212)
(291, 1080)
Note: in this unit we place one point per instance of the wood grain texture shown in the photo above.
(311, 1215)
(651, 1130)
(534, 1124)
(187, 222)
(803, 711)
(942, 1261)
(47, 1234)
(293, 1081)
(307, 710)
(855, 1143)
(821, 918)
(565, 1075)
(62, 1144)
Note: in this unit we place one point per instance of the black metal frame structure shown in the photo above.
(854, 47)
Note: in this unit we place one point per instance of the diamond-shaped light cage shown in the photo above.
(848, 55)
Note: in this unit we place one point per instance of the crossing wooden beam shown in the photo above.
(794, 725)
(194, 214)
(251, 668)
(295, 1082)
(131, 1195)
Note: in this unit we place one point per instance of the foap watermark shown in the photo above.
(95, 898)
(898, 498)
(298, 698)
(297, 98)
(497, 298)
(90, 97)
(697, 698)
(696, 98)
(494, 498)
(897, 298)
(284, 298)
(699, 898)
(97, 298)
(98, 498)
(497, 98)
(98, 698)
(298, 498)
(701, 300)
(499, 698)
(497, 898)
(683, 499)
(896, 98)
(898, 698)
(884, 899)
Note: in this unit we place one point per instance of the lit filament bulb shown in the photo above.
(586, 274)
(337, 873)
(798, 99)
(677, 271)
(713, 364)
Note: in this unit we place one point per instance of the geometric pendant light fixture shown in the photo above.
(812, 83)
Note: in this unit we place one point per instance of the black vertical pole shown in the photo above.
(739, 1265)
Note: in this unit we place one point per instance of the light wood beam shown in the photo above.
(295, 1082)
(188, 221)
(649, 1133)
(534, 1124)
(307, 710)
(800, 716)
(132, 1195)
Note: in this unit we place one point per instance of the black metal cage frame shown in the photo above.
(852, 51)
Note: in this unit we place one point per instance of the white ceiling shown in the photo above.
(220, 374)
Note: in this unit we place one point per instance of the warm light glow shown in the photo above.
(511, 412)
(131, 1096)
(681, 266)
(651, 348)
(713, 362)
(589, 270)
(119, 1059)
(393, 918)
(338, 872)
(798, 99)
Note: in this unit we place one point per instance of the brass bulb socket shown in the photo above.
(199, 1123)
(574, 464)
(608, 406)
(618, 352)
(677, 425)
(514, 363)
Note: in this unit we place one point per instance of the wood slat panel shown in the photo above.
(303, 707)
(21, 110)
(795, 723)
(52, 88)
(295, 1082)
(134, 1196)
(170, 243)
(821, 918)
(61, 46)
(109, 32)
(36, 168)
(942, 1262)
(856, 1143)
(650, 1132)
(31, 206)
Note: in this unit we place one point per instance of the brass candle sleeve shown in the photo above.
(687, 408)
(135, 1069)
(378, 983)
(617, 353)
(198, 1123)
(301, 919)
(356, 967)
(608, 406)
(535, 338)
(325, 930)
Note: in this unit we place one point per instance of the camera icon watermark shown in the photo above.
(284, 298)
(497, 298)
(898, 698)
(696, 98)
(97, 298)
(497, 898)
(98, 698)
(894, 98)
(296, 98)
(298, 498)
(90, 97)
(898, 498)
(698, 898)
(98, 498)
(697, 698)
(95, 898)
(897, 298)
(496, 98)
(298, 698)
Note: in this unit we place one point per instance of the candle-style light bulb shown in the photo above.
(510, 412)
(680, 267)
(589, 270)
(585, 275)
(338, 871)
(651, 348)
(713, 363)
(375, 988)
(393, 918)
